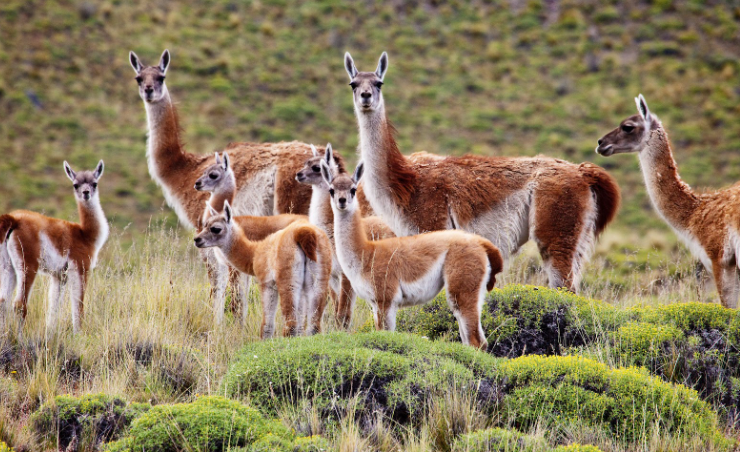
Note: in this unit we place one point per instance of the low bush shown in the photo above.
(396, 374)
(576, 448)
(210, 424)
(497, 440)
(68, 419)
(4, 447)
(628, 404)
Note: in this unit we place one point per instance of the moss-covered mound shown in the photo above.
(396, 374)
(521, 320)
(628, 404)
(272, 443)
(210, 424)
(95, 417)
(498, 440)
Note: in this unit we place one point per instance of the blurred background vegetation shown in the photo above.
(509, 77)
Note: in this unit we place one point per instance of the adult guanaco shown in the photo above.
(563, 207)
(406, 271)
(708, 223)
(65, 251)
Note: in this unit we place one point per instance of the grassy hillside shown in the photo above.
(493, 78)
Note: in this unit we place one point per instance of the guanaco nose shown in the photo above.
(86, 192)
(148, 89)
(600, 141)
(198, 184)
(198, 241)
(366, 95)
(342, 201)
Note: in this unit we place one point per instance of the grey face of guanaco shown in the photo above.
(218, 228)
(85, 183)
(366, 85)
(214, 175)
(632, 133)
(310, 174)
(342, 187)
(150, 78)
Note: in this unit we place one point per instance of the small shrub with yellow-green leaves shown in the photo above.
(638, 342)
(98, 417)
(396, 374)
(210, 424)
(628, 404)
(4, 447)
(576, 448)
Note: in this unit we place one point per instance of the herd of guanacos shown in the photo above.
(396, 231)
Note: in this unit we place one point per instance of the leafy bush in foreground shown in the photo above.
(497, 440)
(210, 424)
(66, 418)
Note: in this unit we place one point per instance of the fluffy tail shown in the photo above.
(306, 238)
(7, 224)
(496, 262)
(607, 194)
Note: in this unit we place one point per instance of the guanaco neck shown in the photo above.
(671, 196)
(165, 152)
(225, 191)
(93, 225)
(240, 251)
(351, 241)
(388, 171)
(319, 211)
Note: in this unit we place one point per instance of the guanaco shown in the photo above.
(406, 271)
(65, 251)
(292, 264)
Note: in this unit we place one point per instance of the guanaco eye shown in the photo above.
(139, 79)
(353, 191)
(213, 176)
(331, 192)
(94, 185)
(215, 230)
(353, 85)
(627, 129)
(160, 79)
(316, 168)
(378, 84)
(76, 186)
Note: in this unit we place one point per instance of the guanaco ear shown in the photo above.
(226, 161)
(326, 173)
(134, 60)
(164, 61)
(349, 66)
(358, 172)
(643, 109)
(382, 66)
(98, 170)
(218, 158)
(227, 212)
(329, 154)
(211, 211)
(70, 173)
(314, 151)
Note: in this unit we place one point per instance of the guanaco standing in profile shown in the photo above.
(406, 271)
(219, 180)
(292, 265)
(65, 251)
(708, 223)
(320, 214)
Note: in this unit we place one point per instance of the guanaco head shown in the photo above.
(310, 174)
(218, 228)
(632, 134)
(150, 78)
(342, 187)
(215, 175)
(366, 85)
(85, 183)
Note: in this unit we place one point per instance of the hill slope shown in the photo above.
(495, 78)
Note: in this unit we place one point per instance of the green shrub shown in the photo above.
(4, 447)
(394, 373)
(628, 403)
(521, 320)
(638, 342)
(497, 440)
(576, 448)
(104, 418)
(210, 424)
(272, 443)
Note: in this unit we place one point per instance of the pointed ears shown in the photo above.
(98, 170)
(164, 61)
(135, 62)
(227, 212)
(225, 162)
(211, 210)
(642, 109)
(329, 154)
(349, 66)
(326, 173)
(358, 172)
(70, 173)
(382, 66)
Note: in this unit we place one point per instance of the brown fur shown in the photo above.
(606, 191)
(389, 272)
(7, 224)
(271, 261)
(711, 220)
